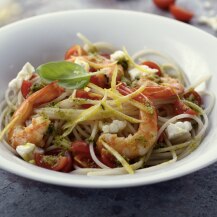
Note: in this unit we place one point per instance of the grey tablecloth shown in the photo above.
(194, 195)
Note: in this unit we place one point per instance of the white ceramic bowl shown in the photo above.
(45, 38)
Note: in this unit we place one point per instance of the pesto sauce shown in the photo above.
(36, 87)
(124, 63)
(50, 129)
(62, 142)
(50, 160)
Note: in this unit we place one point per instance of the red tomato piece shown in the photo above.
(69, 165)
(163, 4)
(181, 108)
(87, 95)
(56, 163)
(82, 156)
(99, 80)
(25, 88)
(153, 65)
(75, 50)
(181, 14)
(84, 161)
(108, 159)
(194, 97)
(80, 147)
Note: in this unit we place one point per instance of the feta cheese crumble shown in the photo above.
(179, 129)
(82, 63)
(114, 127)
(136, 73)
(24, 74)
(118, 56)
(26, 151)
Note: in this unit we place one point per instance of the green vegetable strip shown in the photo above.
(124, 163)
(136, 65)
(72, 114)
(83, 116)
(119, 96)
(120, 114)
(9, 126)
(91, 46)
(194, 106)
(114, 78)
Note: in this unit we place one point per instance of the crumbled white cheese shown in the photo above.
(24, 74)
(118, 56)
(186, 125)
(26, 151)
(82, 63)
(136, 73)
(114, 127)
(179, 129)
(210, 21)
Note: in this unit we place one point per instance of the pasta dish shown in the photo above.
(101, 111)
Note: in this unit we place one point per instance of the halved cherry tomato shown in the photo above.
(99, 80)
(56, 163)
(80, 147)
(108, 159)
(84, 161)
(25, 88)
(69, 165)
(67, 154)
(194, 97)
(87, 95)
(153, 65)
(75, 50)
(81, 153)
(163, 4)
(181, 14)
(181, 108)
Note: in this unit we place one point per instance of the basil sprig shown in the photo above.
(68, 75)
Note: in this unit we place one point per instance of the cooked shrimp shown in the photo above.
(33, 133)
(168, 88)
(138, 144)
(18, 134)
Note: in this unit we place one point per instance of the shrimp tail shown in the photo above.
(44, 95)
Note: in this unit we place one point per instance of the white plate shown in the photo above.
(45, 38)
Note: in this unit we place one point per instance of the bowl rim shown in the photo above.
(8, 166)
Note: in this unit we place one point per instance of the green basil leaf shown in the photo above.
(69, 75)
